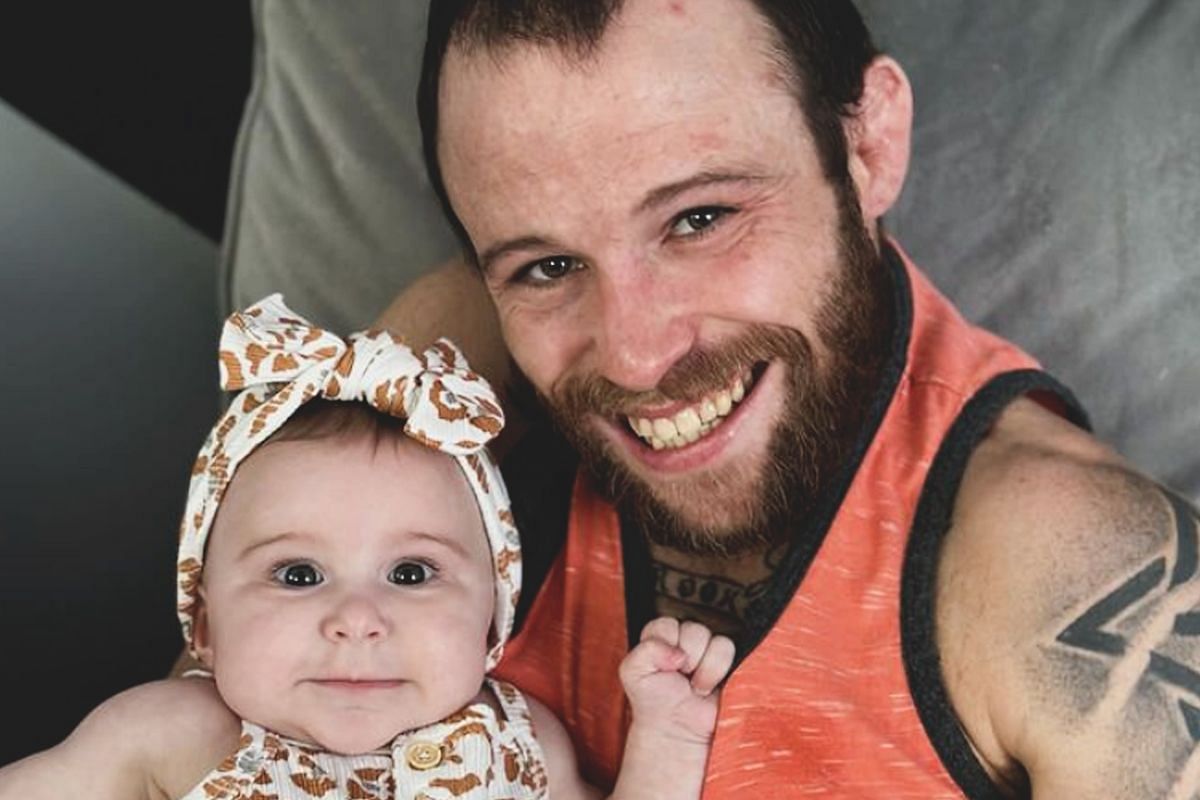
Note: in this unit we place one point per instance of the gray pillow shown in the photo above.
(1054, 194)
(329, 202)
(1054, 191)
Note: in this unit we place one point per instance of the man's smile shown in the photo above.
(705, 432)
(673, 427)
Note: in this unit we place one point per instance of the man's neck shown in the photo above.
(714, 590)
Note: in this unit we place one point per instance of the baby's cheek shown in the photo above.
(253, 659)
(456, 683)
(458, 647)
(240, 688)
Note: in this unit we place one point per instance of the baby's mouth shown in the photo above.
(360, 684)
(693, 423)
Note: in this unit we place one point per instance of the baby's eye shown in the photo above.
(298, 575)
(410, 573)
(697, 220)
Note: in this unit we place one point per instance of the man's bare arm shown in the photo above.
(1126, 664)
(1067, 620)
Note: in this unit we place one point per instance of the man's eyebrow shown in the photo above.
(656, 198)
(497, 251)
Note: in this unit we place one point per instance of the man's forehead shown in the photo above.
(655, 69)
(685, 32)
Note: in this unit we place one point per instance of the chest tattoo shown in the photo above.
(706, 593)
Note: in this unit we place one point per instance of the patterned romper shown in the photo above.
(471, 755)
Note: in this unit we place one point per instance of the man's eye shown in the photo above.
(410, 573)
(298, 575)
(551, 269)
(697, 220)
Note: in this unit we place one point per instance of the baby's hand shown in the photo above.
(672, 674)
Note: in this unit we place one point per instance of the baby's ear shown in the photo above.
(201, 638)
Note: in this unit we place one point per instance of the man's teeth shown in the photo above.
(693, 422)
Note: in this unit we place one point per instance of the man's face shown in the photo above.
(689, 294)
(347, 591)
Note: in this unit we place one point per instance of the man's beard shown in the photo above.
(826, 408)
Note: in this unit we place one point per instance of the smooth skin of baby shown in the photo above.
(347, 597)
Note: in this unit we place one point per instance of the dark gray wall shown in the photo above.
(107, 387)
(152, 92)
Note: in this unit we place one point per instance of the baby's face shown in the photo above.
(347, 591)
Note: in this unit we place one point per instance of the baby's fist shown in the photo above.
(672, 674)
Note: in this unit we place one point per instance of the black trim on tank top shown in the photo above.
(810, 535)
(922, 663)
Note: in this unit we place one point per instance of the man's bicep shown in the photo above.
(1116, 679)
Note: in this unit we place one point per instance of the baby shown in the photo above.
(349, 598)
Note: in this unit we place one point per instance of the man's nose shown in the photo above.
(355, 617)
(644, 328)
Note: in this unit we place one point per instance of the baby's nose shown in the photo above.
(355, 618)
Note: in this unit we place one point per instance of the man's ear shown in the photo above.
(201, 635)
(878, 137)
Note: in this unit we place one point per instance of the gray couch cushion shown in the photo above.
(1054, 193)
(329, 202)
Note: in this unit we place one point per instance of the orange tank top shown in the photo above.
(841, 697)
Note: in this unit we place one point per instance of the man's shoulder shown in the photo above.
(1043, 502)
(1037, 482)
(1063, 596)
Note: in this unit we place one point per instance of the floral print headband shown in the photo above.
(278, 361)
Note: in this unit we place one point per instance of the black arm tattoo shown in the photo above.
(1146, 633)
(1148, 586)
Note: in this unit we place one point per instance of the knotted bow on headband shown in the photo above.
(280, 361)
(444, 403)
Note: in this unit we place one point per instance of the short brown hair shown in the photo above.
(320, 419)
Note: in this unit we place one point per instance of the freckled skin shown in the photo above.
(1047, 523)
(545, 148)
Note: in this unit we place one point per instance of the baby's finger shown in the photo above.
(664, 629)
(713, 666)
(693, 640)
(648, 658)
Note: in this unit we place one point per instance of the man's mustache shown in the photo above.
(697, 374)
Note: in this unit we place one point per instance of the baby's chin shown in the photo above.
(354, 742)
(346, 732)
(349, 737)
(352, 733)
(345, 720)
(368, 734)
